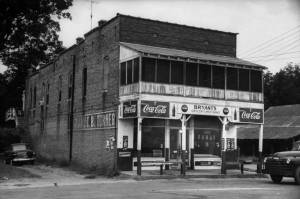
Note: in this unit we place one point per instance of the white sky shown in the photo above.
(256, 21)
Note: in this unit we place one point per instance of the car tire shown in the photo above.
(276, 178)
(297, 175)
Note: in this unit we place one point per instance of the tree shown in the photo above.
(282, 88)
(28, 37)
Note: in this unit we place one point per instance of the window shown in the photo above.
(232, 78)
(218, 77)
(31, 100)
(205, 75)
(84, 82)
(163, 71)
(148, 69)
(244, 79)
(123, 73)
(191, 74)
(136, 70)
(256, 81)
(176, 72)
(129, 72)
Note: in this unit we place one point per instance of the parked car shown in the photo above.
(284, 164)
(19, 153)
(206, 161)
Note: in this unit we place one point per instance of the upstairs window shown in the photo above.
(148, 69)
(129, 72)
(123, 73)
(205, 75)
(176, 72)
(136, 70)
(84, 82)
(191, 74)
(59, 87)
(256, 81)
(244, 80)
(218, 77)
(232, 78)
(163, 71)
(47, 93)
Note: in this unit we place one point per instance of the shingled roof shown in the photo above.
(281, 122)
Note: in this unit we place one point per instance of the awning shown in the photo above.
(202, 57)
(272, 133)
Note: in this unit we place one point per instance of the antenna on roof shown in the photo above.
(92, 14)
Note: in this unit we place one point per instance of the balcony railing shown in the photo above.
(189, 91)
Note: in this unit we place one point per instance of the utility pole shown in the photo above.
(92, 14)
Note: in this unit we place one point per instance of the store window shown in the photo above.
(205, 75)
(232, 78)
(191, 74)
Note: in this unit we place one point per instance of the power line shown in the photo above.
(269, 41)
(292, 52)
(290, 38)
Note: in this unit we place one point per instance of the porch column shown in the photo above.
(260, 148)
(191, 141)
(183, 142)
(167, 142)
(224, 145)
(139, 145)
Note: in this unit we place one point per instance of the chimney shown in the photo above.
(79, 40)
(101, 23)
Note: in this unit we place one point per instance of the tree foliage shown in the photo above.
(28, 37)
(283, 87)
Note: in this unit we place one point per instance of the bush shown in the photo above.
(9, 136)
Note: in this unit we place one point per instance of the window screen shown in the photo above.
(232, 78)
(176, 72)
(244, 79)
(256, 81)
(148, 69)
(136, 70)
(218, 77)
(191, 74)
(123, 73)
(129, 72)
(204, 75)
(163, 71)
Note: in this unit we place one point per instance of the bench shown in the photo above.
(161, 164)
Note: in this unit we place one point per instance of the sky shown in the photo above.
(268, 30)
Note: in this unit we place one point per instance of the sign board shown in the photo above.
(104, 120)
(248, 115)
(10, 114)
(199, 109)
(155, 109)
(129, 109)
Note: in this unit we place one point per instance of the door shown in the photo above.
(176, 142)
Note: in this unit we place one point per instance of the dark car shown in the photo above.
(284, 164)
(19, 154)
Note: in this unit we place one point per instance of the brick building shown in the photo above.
(135, 89)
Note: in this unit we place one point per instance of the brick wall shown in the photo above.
(162, 34)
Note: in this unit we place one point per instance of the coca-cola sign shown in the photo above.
(130, 109)
(248, 115)
(154, 109)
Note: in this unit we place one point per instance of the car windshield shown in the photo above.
(296, 146)
(19, 147)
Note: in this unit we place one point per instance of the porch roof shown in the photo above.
(182, 54)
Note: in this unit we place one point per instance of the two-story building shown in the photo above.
(137, 89)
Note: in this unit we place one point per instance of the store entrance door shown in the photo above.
(176, 143)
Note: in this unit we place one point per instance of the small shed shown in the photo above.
(281, 130)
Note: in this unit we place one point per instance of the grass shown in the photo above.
(13, 172)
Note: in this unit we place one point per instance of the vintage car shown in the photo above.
(19, 153)
(207, 161)
(284, 164)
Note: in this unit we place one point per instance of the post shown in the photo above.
(139, 146)
(224, 145)
(183, 144)
(260, 149)
(167, 143)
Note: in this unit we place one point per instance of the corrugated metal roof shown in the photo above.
(281, 122)
(188, 54)
(269, 133)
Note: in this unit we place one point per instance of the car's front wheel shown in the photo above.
(276, 178)
(297, 175)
